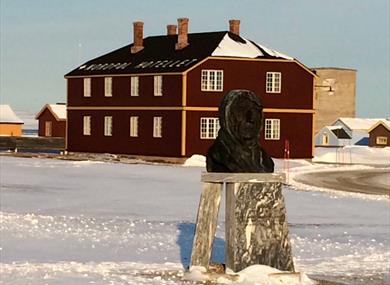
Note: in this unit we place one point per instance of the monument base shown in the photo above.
(256, 225)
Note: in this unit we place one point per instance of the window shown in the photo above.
(272, 129)
(134, 126)
(212, 80)
(157, 127)
(381, 140)
(274, 82)
(48, 128)
(209, 128)
(87, 87)
(108, 125)
(86, 125)
(134, 81)
(158, 85)
(108, 86)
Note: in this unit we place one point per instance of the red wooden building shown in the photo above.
(160, 95)
(52, 120)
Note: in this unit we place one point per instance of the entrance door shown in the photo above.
(48, 128)
(325, 139)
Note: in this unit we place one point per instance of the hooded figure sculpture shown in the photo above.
(237, 147)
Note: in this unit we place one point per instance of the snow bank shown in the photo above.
(196, 160)
(353, 155)
(252, 275)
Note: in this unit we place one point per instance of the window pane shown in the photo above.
(134, 126)
(87, 87)
(108, 86)
(134, 81)
(87, 125)
(108, 126)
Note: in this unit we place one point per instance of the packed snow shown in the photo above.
(83, 222)
(230, 47)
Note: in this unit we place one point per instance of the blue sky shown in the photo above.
(41, 40)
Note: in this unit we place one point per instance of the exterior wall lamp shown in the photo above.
(329, 88)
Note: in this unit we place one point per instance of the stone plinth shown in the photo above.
(256, 224)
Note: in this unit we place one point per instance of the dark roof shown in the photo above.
(363, 141)
(341, 133)
(159, 55)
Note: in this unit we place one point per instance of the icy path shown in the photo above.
(97, 223)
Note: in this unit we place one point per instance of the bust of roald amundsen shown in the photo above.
(237, 147)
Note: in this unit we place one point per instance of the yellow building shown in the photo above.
(10, 124)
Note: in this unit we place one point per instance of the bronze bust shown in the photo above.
(237, 147)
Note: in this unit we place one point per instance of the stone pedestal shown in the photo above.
(256, 224)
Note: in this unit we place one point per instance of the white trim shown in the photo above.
(381, 140)
(134, 126)
(157, 127)
(272, 129)
(209, 127)
(273, 82)
(211, 80)
(134, 86)
(87, 87)
(86, 125)
(158, 85)
(108, 126)
(107, 86)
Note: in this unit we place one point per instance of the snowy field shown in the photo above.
(66, 222)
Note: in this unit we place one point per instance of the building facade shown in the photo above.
(379, 134)
(160, 95)
(52, 120)
(335, 95)
(10, 123)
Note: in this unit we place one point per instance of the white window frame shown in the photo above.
(108, 126)
(209, 127)
(272, 129)
(157, 127)
(86, 125)
(273, 82)
(211, 80)
(134, 86)
(87, 87)
(158, 85)
(134, 126)
(107, 86)
(381, 140)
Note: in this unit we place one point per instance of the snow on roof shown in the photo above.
(334, 127)
(359, 123)
(246, 48)
(58, 111)
(385, 123)
(7, 115)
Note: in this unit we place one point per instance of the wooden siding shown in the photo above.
(120, 142)
(296, 87)
(172, 92)
(379, 131)
(10, 129)
(295, 127)
(58, 127)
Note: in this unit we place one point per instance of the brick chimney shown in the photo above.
(171, 30)
(182, 38)
(234, 26)
(138, 30)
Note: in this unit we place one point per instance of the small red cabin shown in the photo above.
(379, 134)
(52, 120)
(160, 95)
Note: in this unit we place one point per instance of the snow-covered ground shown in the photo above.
(66, 222)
